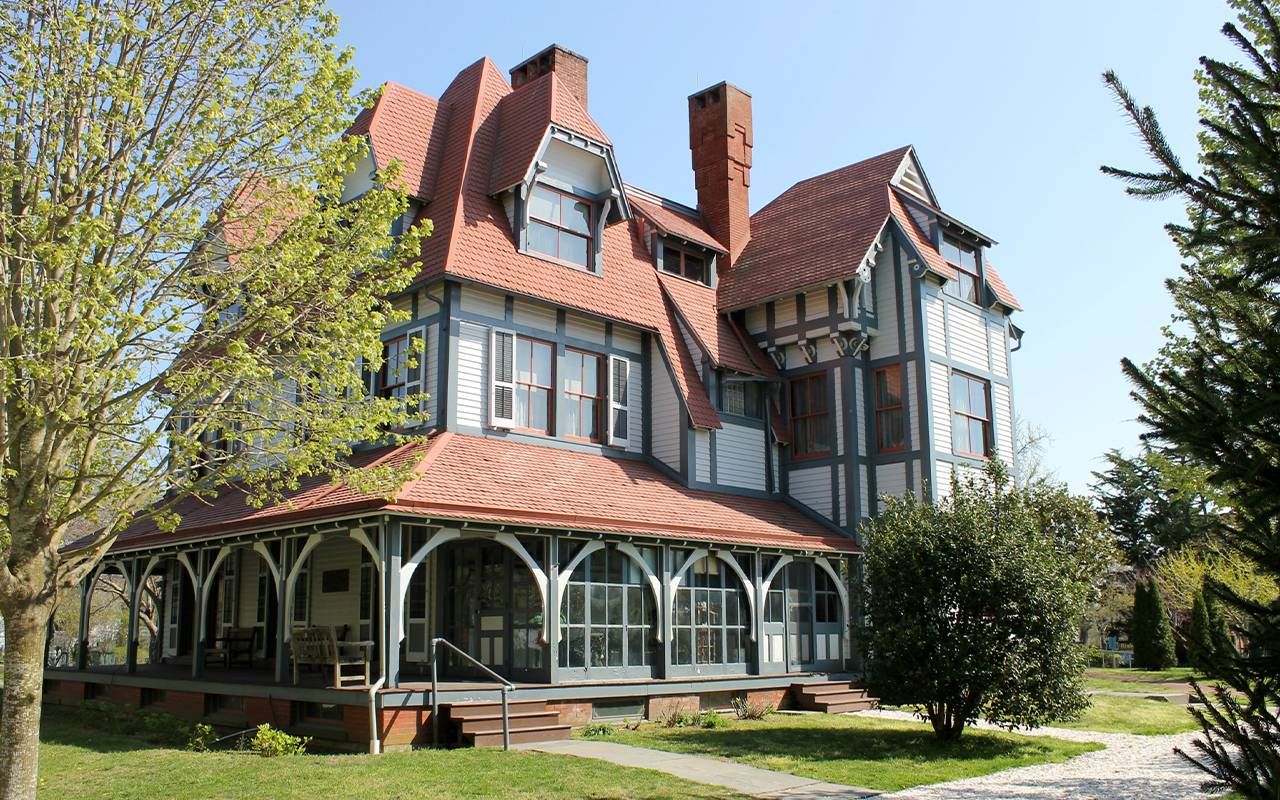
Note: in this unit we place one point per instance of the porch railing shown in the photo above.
(507, 686)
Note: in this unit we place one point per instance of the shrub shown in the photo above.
(597, 729)
(714, 719)
(745, 709)
(679, 718)
(270, 742)
(201, 738)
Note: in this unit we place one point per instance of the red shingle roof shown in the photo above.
(523, 119)
(676, 224)
(487, 479)
(813, 234)
(695, 305)
(402, 126)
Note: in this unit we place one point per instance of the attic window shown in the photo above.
(560, 225)
(964, 258)
(684, 263)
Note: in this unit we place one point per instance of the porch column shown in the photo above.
(135, 595)
(283, 615)
(553, 609)
(757, 621)
(198, 641)
(666, 611)
(393, 618)
(82, 632)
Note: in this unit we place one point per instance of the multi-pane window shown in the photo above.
(608, 617)
(810, 416)
(526, 608)
(826, 599)
(971, 415)
(711, 623)
(891, 429)
(560, 225)
(395, 367)
(964, 258)
(743, 398)
(682, 262)
(582, 395)
(534, 385)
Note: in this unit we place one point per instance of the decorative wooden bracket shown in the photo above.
(779, 355)
(810, 351)
(850, 343)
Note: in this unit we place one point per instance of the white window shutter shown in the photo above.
(502, 386)
(415, 373)
(619, 401)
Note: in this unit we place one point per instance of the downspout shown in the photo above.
(375, 744)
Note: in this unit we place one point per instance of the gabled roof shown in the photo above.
(486, 479)
(402, 126)
(715, 334)
(813, 234)
(684, 370)
(523, 119)
(675, 223)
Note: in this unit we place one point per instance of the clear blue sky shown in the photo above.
(1003, 102)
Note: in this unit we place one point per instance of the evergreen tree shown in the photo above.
(1212, 392)
(1140, 625)
(1199, 641)
(1163, 648)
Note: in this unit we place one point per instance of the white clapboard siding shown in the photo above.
(430, 360)
(1003, 412)
(588, 330)
(484, 302)
(695, 352)
(911, 389)
(891, 481)
(757, 321)
(999, 351)
(666, 418)
(247, 574)
(815, 304)
(864, 492)
(335, 608)
(812, 487)
(838, 411)
(886, 343)
(775, 459)
(968, 336)
(740, 453)
(702, 456)
(635, 405)
(538, 316)
(907, 310)
(942, 480)
(860, 410)
(472, 375)
(840, 494)
(784, 312)
(627, 339)
(937, 324)
(940, 399)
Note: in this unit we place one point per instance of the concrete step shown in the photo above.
(543, 733)
(521, 721)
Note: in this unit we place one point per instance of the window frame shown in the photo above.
(809, 378)
(697, 587)
(385, 387)
(900, 407)
(685, 254)
(975, 274)
(759, 398)
(988, 431)
(561, 228)
(599, 397)
(517, 384)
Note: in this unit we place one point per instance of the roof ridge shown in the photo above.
(812, 178)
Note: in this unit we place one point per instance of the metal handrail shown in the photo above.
(507, 686)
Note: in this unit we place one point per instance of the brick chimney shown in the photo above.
(720, 140)
(569, 67)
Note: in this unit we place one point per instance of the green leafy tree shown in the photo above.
(184, 296)
(1212, 392)
(974, 602)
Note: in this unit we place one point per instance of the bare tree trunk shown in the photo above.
(25, 630)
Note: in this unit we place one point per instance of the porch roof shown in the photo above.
(489, 479)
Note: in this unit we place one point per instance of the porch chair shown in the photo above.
(319, 646)
(234, 646)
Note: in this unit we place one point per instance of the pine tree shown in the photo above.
(1199, 641)
(1212, 392)
(1140, 625)
(1163, 654)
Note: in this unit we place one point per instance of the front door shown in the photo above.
(476, 605)
(799, 615)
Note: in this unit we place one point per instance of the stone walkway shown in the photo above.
(738, 777)
(1130, 768)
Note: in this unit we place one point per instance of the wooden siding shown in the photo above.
(485, 302)
(431, 364)
(740, 454)
(942, 480)
(885, 344)
(836, 378)
(627, 339)
(998, 344)
(538, 316)
(584, 328)
(784, 312)
(666, 416)
(472, 374)
(815, 304)
(968, 336)
(907, 309)
(940, 398)
(756, 319)
(1002, 419)
(891, 481)
(335, 608)
(912, 402)
(936, 322)
(811, 487)
(702, 456)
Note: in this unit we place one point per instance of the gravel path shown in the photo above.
(1130, 768)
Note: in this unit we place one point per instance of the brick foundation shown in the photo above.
(576, 713)
(659, 707)
(778, 698)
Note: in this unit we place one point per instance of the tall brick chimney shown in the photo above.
(720, 140)
(569, 67)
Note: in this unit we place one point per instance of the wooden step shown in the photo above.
(833, 697)
(855, 705)
(521, 721)
(486, 708)
(834, 691)
(544, 733)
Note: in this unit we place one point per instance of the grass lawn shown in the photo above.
(1140, 680)
(1112, 714)
(874, 753)
(80, 763)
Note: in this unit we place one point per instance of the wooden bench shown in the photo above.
(235, 645)
(320, 647)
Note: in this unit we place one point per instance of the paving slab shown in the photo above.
(700, 769)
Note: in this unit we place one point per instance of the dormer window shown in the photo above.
(560, 225)
(685, 263)
(964, 259)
